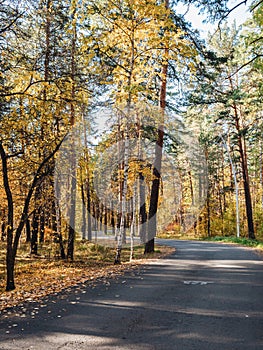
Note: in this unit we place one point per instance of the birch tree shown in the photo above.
(134, 43)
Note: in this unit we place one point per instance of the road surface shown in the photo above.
(205, 296)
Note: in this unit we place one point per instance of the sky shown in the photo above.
(240, 14)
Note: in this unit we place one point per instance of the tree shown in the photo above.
(13, 239)
(137, 50)
(234, 103)
(227, 97)
(38, 111)
(152, 228)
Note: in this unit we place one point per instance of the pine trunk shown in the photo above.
(244, 167)
(243, 159)
(152, 216)
(73, 180)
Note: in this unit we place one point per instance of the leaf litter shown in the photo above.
(42, 278)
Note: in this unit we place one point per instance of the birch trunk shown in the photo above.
(123, 197)
(133, 222)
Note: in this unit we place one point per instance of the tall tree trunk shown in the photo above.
(208, 223)
(261, 171)
(142, 208)
(133, 220)
(89, 210)
(192, 199)
(249, 209)
(123, 182)
(243, 159)
(101, 216)
(142, 220)
(121, 235)
(105, 220)
(3, 230)
(83, 205)
(73, 180)
(42, 225)
(10, 258)
(34, 236)
(233, 175)
(112, 219)
(72, 211)
(44, 186)
(56, 227)
(87, 180)
(28, 231)
(244, 166)
(154, 198)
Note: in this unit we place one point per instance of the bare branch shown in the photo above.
(232, 9)
(31, 83)
(10, 24)
(244, 65)
(16, 154)
(256, 40)
(254, 7)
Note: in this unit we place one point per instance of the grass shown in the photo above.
(253, 243)
(42, 275)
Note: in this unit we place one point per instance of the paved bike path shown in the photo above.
(205, 296)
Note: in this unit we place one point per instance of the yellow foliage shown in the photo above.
(137, 34)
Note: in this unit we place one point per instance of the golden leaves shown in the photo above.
(139, 37)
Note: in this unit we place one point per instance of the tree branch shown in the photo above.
(254, 7)
(256, 40)
(38, 176)
(31, 83)
(10, 24)
(232, 9)
(244, 65)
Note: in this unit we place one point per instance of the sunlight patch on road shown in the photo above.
(225, 264)
(202, 337)
(202, 283)
(208, 312)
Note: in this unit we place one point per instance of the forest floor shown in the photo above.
(39, 276)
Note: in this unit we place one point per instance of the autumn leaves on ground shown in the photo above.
(39, 276)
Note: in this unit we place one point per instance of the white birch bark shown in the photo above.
(123, 194)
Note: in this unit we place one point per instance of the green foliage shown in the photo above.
(241, 241)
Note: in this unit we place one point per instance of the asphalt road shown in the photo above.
(205, 296)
